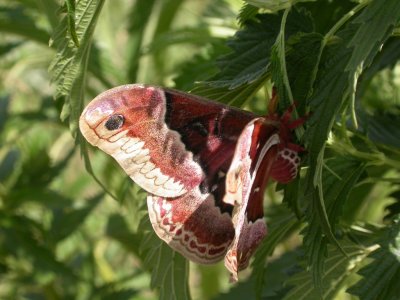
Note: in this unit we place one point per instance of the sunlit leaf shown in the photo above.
(71, 21)
(169, 269)
(374, 26)
(339, 60)
(69, 67)
(250, 53)
(275, 5)
(380, 277)
(337, 268)
(247, 12)
(235, 97)
(338, 182)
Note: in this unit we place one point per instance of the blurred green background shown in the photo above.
(76, 228)
(61, 237)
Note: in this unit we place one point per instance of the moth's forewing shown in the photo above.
(169, 142)
(178, 147)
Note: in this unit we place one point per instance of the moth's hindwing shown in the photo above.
(193, 225)
(254, 156)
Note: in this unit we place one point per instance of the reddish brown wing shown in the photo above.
(168, 142)
(255, 154)
(179, 147)
(210, 131)
(263, 151)
(193, 225)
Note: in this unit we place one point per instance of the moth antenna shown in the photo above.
(298, 122)
(273, 102)
(288, 113)
(296, 147)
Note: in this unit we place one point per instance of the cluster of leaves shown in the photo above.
(68, 233)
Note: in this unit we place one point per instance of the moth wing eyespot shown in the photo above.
(114, 122)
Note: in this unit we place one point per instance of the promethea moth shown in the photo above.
(204, 165)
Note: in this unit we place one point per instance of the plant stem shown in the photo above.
(280, 42)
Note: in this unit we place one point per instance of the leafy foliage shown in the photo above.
(69, 66)
(169, 269)
(68, 233)
(380, 276)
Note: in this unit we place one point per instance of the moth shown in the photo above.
(204, 165)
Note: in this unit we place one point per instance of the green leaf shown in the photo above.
(293, 196)
(69, 67)
(281, 224)
(15, 20)
(249, 58)
(302, 52)
(275, 5)
(295, 66)
(102, 67)
(71, 21)
(200, 68)
(338, 73)
(374, 25)
(383, 129)
(247, 12)
(326, 13)
(246, 69)
(122, 294)
(168, 13)
(169, 269)
(138, 21)
(394, 208)
(235, 97)
(19, 239)
(197, 36)
(48, 8)
(337, 189)
(8, 164)
(66, 222)
(45, 197)
(330, 85)
(386, 58)
(118, 230)
(276, 273)
(164, 31)
(381, 276)
(36, 162)
(251, 48)
(339, 178)
(36, 168)
(338, 268)
(6, 48)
